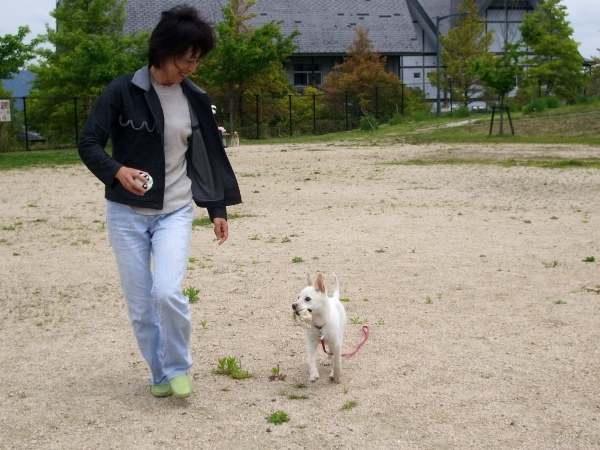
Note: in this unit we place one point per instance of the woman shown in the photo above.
(160, 124)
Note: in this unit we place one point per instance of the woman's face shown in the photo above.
(174, 69)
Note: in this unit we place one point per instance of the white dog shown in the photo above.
(325, 319)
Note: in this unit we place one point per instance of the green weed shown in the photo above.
(350, 405)
(232, 367)
(278, 417)
(191, 293)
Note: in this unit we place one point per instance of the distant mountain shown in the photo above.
(20, 84)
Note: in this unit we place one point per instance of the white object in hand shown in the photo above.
(149, 182)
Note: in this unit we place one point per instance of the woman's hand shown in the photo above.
(221, 229)
(127, 177)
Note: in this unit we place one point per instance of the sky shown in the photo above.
(584, 16)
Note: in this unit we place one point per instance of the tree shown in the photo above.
(466, 42)
(90, 49)
(14, 53)
(593, 80)
(554, 63)
(500, 74)
(360, 76)
(246, 59)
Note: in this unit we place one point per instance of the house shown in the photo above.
(402, 30)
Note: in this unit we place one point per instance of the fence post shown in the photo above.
(347, 124)
(376, 102)
(25, 120)
(76, 121)
(257, 121)
(402, 106)
(290, 107)
(314, 114)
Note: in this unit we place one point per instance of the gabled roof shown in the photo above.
(327, 26)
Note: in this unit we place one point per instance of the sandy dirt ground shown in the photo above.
(484, 315)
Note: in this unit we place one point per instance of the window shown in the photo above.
(417, 75)
(307, 74)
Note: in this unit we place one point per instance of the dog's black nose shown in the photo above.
(294, 306)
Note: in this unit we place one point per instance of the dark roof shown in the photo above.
(327, 26)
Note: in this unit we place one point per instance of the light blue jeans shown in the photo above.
(152, 255)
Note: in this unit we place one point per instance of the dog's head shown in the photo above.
(312, 298)
(235, 134)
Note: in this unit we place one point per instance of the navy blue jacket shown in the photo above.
(129, 113)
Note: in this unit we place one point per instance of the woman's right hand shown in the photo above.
(127, 177)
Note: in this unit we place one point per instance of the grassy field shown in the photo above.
(578, 124)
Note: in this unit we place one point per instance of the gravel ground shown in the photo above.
(484, 317)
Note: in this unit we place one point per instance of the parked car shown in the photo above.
(32, 136)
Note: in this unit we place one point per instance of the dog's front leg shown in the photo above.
(336, 360)
(312, 350)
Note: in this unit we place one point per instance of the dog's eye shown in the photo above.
(307, 299)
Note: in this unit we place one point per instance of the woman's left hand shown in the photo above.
(221, 229)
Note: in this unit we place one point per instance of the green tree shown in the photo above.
(466, 42)
(90, 48)
(499, 74)
(554, 63)
(593, 81)
(361, 79)
(246, 59)
(14, 53)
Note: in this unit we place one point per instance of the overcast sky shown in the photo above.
(584, 16)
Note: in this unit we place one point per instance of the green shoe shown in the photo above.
(181, 386)
(161, 390)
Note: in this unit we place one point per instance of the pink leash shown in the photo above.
(365, 330)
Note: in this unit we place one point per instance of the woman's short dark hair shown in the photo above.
(179, 29)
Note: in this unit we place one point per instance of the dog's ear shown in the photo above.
(320, 286)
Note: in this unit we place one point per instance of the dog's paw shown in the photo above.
(328, 361)
(314, 377)
(335, 377)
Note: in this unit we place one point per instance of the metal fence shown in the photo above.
(56, 122)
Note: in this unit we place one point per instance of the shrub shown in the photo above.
(368, 123)
(419, 116)
(552, 102)
(397, 119)
(463, 111)
(538, 105)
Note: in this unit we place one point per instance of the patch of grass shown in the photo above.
(38, 158)
(278, 417)
(232, 367)
(276, 374)
(357, 320)
(297, 259)
(297, 397)
(589, 259)
(552, 264)
(593, 163)
(205, 221)
(349, 405)
(191, 293)
(560, 302)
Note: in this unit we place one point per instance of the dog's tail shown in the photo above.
(336, 287)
